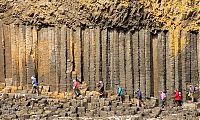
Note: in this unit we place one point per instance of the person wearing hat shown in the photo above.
(100, 87)
(34, 85)
(75, 87)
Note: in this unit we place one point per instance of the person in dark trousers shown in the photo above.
(162, 98)
(76, 88)
(177, 97)
(119, 92)
(100, 87)
(35, 88)
(139, 98)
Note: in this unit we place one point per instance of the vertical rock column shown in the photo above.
(122, 67)
(14, 51)
(97, 54)
(135, 45)
(105, 61)
(129, 65)
(2, 72)
(177, 56)
(92, 59)
(86, 56)
(69, 60)
(183, 61)
(194, 59)
(22, 57)
(8, 55)
(29, 56)
(116, 57)
(34, 48)
(57, 56)
(147, 62)
(170, 65)
(63, 51)
(77, 52)
(188, 58)
(111, 36)
(52, 58)
(160, 63)
(43, 55)
(142, 62)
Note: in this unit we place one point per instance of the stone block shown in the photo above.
(126, 98)
(127, 105)
(81, 110)
(106, 108)
(107, 103)
(73, 109)
(189, 106)
(119, 112)
(45, 89)
(103, 113)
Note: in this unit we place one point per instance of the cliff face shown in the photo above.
(145, 44)
(117, 13)
(76, 13)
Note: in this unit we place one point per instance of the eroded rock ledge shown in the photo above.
(75, 13)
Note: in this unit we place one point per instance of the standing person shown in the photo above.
(34, 85)
(191, 92)
(75, 87)
(119, 93)
(139, 98)
(100, 87)
(162, 98)
(177, 97)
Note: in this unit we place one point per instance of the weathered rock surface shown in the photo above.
(26, 107)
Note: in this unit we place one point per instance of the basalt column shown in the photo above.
(22, 57)
(86, 55)
(43, 55)
(129, 65)
(142, 61)
(2, 70)
(122, 77)
(194, 60)
(135, 55)
(92, 59)
(148, 62)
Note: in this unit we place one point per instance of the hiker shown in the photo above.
(100, 87)
(34, 85)
(162, 98)
(119, 93)
(139, 98)
(191, 92)
(75, 87)
(177, 97)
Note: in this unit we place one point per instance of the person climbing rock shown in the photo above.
(76, 88)
(35, 88)
(100, 87)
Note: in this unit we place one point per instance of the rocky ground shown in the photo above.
(18, 106)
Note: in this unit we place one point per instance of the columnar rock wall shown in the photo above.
(147, 59)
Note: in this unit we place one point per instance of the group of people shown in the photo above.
(177, 95)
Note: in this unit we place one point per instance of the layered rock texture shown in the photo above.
(136, 44)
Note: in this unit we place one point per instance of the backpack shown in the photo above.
(119, 91)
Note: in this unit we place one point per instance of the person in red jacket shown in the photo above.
(75, 87)
(177, 97)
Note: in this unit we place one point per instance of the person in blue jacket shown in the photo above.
(34, 85)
